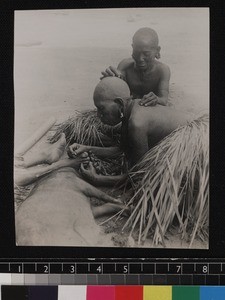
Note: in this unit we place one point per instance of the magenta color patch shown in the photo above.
(100, 292)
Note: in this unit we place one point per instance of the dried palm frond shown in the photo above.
(171, 184)
(87, 129)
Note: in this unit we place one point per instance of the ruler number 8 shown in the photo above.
(205, 269)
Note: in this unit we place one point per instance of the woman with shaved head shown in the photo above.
(147, 78)
(142, 128)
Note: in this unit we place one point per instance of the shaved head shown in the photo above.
(146, 34)
(110, 88)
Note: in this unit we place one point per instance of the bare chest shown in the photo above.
(141, 84)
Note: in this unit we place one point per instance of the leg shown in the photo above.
(25, 176)
(51, 153)
(91, 191)
(108, 208)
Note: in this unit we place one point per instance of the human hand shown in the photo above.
(89, 172)
(111, 71)
(75, 150)
(149, 100)
(74, 162)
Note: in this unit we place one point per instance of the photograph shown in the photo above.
(111, 127)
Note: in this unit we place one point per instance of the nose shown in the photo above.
(141, 57)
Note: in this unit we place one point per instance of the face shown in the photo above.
(144, 53)
(108, 111)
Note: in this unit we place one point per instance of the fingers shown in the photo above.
(149, 100)
(111, 71)
(71, 150)
(82, 168)
(75, 149)
(115, 71)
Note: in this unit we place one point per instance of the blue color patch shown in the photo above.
(212, 293)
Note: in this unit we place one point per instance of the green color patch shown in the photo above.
(186, 293)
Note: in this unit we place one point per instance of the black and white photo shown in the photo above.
(111, 143)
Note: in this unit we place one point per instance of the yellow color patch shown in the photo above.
(157, 293)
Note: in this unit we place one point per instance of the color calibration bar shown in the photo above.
(112, 293)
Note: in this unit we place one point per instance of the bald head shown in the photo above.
(110, 88)
(147, 35)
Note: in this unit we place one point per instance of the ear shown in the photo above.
(119, 102)
(158, 52)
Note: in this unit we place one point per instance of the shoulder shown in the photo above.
(163, 69)
(125, 64)
(138, 118)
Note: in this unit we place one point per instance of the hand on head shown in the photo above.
(111, 71)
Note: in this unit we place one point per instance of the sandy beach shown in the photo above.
(59, 55)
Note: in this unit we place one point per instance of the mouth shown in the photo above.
(141, 66)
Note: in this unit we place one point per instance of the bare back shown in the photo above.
(149, 125)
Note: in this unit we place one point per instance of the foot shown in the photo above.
(56, 150)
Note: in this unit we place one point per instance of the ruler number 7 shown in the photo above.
(178, 268)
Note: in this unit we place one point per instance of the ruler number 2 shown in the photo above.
(45, 268)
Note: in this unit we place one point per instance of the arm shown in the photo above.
(100, 180)
(138, 137)
(163, 90)
(102, 152)
(151, 99)
(120, 71)
(105, 152)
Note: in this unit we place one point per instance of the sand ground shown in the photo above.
(59, 56)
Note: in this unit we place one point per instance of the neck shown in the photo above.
(128, 105)
(148, 69)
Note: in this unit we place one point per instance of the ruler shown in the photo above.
(128, 272)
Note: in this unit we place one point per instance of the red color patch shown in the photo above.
(129, 293)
